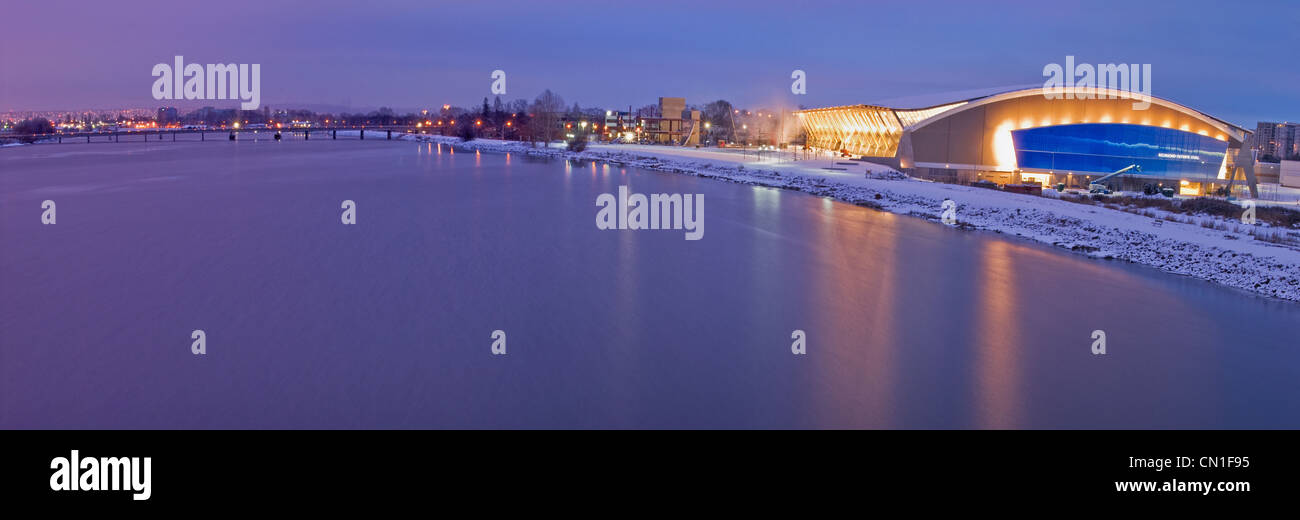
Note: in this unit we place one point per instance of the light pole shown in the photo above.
(745, 127)
(732, 115)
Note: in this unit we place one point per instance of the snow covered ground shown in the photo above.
(1228, 256)
(1277, 195)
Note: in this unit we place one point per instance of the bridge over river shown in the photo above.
(190, 134)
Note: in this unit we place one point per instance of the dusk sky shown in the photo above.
(1236, 61)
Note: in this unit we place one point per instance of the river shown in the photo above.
(388, 323)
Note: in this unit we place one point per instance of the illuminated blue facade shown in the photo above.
(1108, 147)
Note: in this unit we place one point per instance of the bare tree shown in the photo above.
(546, 112)
(27, 128)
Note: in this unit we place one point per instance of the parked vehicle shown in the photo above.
(1100, 186)
(1027, 189)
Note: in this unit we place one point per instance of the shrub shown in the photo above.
(1144, 202)
(1280, 217)
(579, 143)
(1209, 206)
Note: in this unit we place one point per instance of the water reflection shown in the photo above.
(997, 338)
(858, 317)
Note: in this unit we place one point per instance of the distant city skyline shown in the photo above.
(411, 55)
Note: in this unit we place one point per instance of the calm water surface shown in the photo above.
(387, 324)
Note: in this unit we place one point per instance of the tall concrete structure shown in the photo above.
(671, 107)
(671, 127)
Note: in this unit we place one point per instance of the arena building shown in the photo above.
(1075, 137)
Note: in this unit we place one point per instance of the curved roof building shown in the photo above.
(1062, 135)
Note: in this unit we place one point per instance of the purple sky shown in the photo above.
(1235, 62)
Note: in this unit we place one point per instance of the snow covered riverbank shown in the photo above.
(1227, 257)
